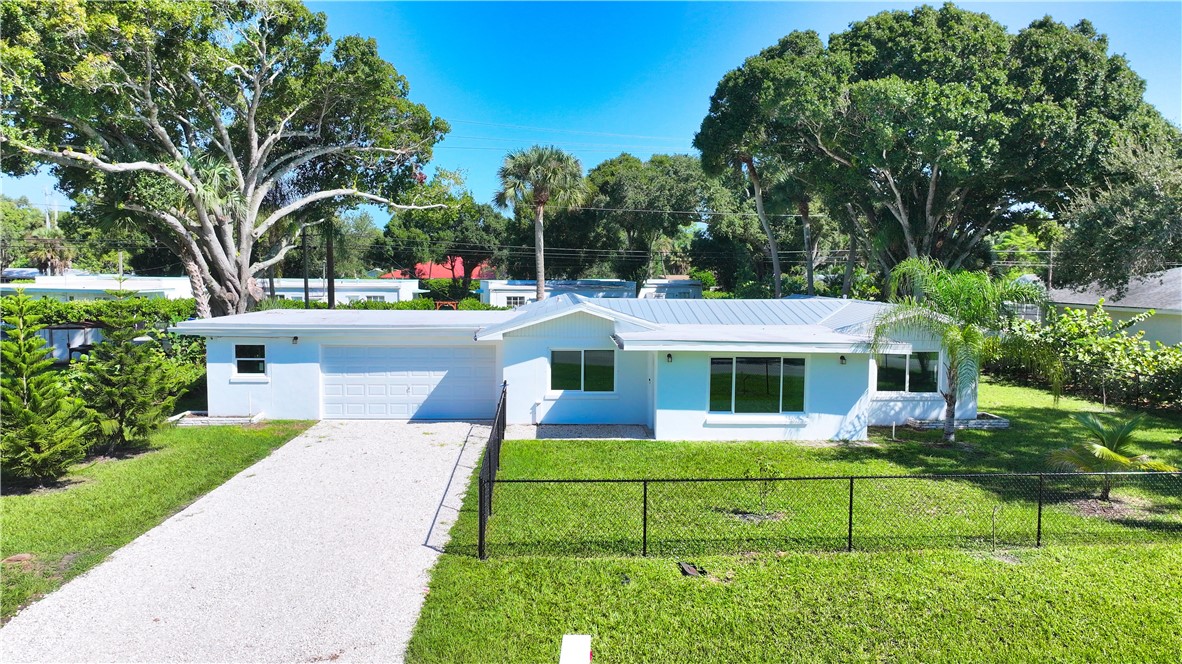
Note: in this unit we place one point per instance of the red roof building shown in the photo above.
(452, 268)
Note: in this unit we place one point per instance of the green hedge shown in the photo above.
(420, 304)
(157, 312)
(446, 289)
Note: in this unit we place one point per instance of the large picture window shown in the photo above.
(250, 358)
(914, 372)
(583, 370)
(757, 384)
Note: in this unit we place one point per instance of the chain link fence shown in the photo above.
(678, 517)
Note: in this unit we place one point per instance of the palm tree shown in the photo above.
(963, 310)
(540, 176)
(1110, 450)
(48, 251)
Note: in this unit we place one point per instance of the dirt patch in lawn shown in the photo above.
(751, 517)
(22, 488)
(1117, 508)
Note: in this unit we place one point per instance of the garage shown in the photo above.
(409, 383)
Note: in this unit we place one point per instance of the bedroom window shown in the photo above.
(757, 384)
(914, 372)
(583, 370)
(250, 358)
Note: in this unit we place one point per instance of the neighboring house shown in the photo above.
(671, 288)
(347, 290)
(516, 293)
(65, 288)
(1161, 292)
(96, 287)
(686, 369)
(453, 269)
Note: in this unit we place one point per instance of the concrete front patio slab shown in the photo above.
(319, 552)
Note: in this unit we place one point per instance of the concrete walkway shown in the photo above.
(319, 552)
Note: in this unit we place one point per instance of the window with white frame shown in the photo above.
(583, 370)
(250, 358)
(911, 372)
(375, 298)
(514, 300)
(757, 384)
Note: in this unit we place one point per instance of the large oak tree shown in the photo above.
(220, 127)
(933, 128)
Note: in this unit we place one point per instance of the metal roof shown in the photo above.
(327, 321)
(725, 312)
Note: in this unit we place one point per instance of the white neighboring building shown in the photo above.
(95, 287)
(518, 292)
(685, 369)
(671, 289)
(347, 290)
(65, 288)
(1161, 292)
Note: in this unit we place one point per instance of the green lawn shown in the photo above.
(111, 502)
(924, 602)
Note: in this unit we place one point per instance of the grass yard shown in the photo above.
(108, 503)
(1068, 602)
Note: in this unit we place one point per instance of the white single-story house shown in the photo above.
(68, 287)
(671, 289)
(95, 286)
(518, 292)
(685, 369)
(1161, 292)
(347, 290)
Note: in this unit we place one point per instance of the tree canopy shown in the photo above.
(219, 127)
(931, 128)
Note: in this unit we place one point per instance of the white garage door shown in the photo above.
(402, 383)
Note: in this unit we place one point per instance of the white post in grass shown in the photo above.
(576, 649)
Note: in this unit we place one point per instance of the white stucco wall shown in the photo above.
(836, 399)
(526, 357)
(290, 390)
(292, 386)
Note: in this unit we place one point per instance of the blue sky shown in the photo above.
(601, 78)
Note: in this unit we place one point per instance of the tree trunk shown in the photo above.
(802, 207)
(330, 265)
(950, 418)
(539, 253)
(773, 246)
(200, 292)
(1106, 488)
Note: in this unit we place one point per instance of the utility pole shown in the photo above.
(330, 265)
(304, 249)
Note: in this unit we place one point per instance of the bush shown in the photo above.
(156, 312)
(704, 276)
(1100, 359)
(717, 295)
(44, 429)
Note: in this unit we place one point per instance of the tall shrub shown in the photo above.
(44, 428)
(129, 382)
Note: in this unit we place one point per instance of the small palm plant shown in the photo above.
(1109, 451)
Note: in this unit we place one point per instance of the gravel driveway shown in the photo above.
(319, 552)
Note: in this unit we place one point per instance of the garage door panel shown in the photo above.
(408, 383)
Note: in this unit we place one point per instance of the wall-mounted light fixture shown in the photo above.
(668, 357)
(841, 359)
(296, 340)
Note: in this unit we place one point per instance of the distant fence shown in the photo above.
(676, 516)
